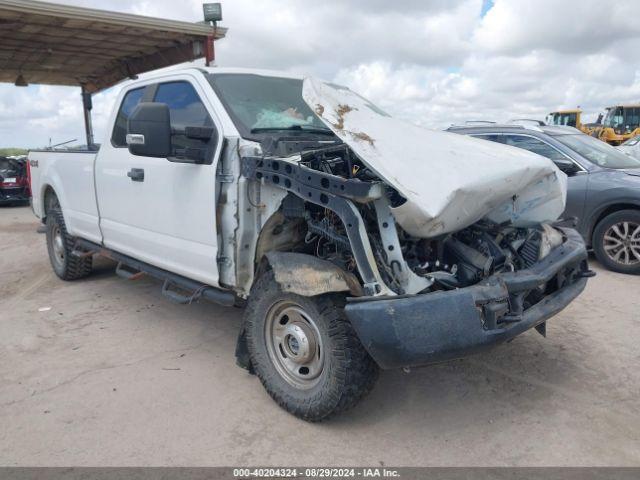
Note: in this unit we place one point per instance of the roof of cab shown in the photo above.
(150, 76)
(251, 71)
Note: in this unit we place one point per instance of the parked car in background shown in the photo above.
(14, 181)
(603, 186)
(631, 147)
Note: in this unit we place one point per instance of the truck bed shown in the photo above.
(71, 175)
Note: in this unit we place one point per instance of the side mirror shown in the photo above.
(567, 166)
(149, 130)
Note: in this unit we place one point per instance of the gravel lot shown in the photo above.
(114, 374)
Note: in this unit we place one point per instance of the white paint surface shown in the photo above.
(450, 181)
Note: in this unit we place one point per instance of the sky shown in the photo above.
(432, 62)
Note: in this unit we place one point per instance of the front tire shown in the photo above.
(616, 241)
(305, 351)
(65, 264)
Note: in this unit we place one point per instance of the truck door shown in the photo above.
(160, 211)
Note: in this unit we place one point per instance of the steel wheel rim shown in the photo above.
(294, 344)
(622, 243)
(57, 244)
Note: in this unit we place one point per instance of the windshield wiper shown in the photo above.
(298, 128)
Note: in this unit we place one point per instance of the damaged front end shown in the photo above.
(422, 300)
(446, 324)
(426, 281)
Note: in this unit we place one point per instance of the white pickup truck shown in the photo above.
(355, 241)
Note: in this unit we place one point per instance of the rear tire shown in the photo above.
(616, 241)
(305, 351)
(60, 246)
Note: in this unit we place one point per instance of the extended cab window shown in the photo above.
(533, 145)
(186, 110)
(129, 102)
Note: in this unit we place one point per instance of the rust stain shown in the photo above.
(341, 111)
(363, 137)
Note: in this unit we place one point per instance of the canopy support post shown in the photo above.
(209, 49)
(87, 105)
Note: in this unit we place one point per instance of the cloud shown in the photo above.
(323, 37)
(40, 114)
(433, 62)
(518, 26)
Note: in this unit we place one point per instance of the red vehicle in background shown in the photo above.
(14, 181)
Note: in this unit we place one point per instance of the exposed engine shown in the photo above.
(340, 161)
(447, 262)
(466, 257)
(454, 261)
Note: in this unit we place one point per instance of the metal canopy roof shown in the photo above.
(65, 45)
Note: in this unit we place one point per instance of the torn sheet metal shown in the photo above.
(450, 181)
(309, 276)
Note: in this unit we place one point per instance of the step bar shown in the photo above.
(131, 269)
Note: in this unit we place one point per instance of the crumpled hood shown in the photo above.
(450, 181)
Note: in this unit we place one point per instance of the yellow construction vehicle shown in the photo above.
(571, 118)
(621, 122)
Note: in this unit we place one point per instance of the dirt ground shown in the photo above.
(107, 372)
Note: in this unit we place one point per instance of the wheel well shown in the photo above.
(49, 200)
(608, 211)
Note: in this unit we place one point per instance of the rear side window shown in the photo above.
(186, 110)
(533, 145)
(129, 102)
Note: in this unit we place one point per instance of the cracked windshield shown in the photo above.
(258, 103)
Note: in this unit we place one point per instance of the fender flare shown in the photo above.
(53, 182)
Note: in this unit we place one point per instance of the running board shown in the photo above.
(168, 290)
(123, 272)
(81, 253)
(131, 269)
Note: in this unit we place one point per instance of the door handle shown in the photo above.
(136, 174)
